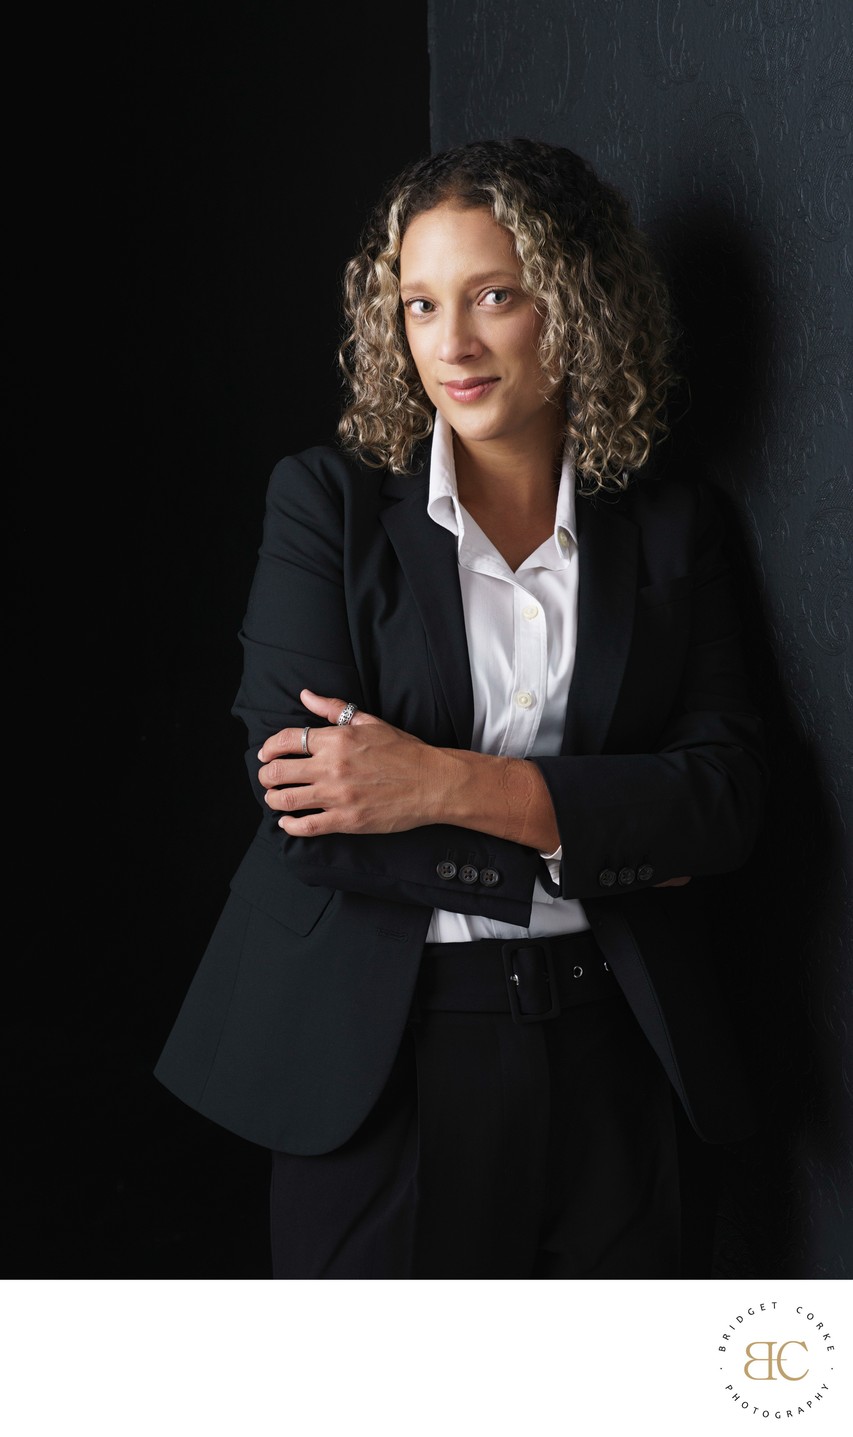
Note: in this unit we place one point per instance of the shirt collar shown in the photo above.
(443, 500)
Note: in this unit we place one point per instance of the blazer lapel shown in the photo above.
(427, 556)
(607, 554)
(608, 557)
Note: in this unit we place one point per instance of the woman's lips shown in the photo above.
(467, 390)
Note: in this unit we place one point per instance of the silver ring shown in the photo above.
(305, 733)
(345, 716)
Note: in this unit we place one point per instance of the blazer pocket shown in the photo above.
(667, 592)
(264, 880)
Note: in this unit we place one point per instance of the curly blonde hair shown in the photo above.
(607, 333)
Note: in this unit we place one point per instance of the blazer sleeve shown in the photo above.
(296, 634)
(694, 804)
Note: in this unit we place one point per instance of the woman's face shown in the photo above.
(471, 329)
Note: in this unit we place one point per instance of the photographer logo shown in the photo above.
(777, 1361)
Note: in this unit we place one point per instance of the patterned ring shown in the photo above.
(305, 733)
(345, 715)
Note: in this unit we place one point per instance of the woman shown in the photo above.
(497, 712)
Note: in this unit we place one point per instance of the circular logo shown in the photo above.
(777, 1361)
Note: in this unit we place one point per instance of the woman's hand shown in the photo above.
(369, 777)
(365, 777)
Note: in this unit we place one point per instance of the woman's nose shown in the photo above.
(459, 340)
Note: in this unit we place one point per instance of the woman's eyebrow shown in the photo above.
(494, 276)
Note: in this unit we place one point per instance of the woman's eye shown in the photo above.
(419, 306)
(496, 297)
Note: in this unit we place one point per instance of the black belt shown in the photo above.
(531, 978)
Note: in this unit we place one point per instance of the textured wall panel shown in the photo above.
(728, 125)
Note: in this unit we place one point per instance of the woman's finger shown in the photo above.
(331, 709)
(287, 771)
(286, 741)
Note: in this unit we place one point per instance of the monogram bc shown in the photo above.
(779, 1359)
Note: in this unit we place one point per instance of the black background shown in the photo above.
(191, 179)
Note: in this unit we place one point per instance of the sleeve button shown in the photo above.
(489, 877)
(645, 873)
(468, 873)
(446, 869)
(607, 878)
(626, 876)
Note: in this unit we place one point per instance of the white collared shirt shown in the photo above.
(521, 628)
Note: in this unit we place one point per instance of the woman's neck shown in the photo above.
(511, 492)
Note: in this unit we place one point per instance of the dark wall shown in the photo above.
(727, 125)
(191, 183)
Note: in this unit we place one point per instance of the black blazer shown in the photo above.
(293, 1019)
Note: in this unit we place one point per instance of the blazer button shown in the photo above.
(446, 869)
(607, 878)
(626, 876)
(468, 873)
(645, 873)
(489, 877)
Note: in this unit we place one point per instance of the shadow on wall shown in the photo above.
(780, 931)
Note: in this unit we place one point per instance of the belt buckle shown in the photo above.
(512, 984)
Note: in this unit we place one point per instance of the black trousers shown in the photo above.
(498, 1148)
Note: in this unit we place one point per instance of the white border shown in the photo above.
(395, 1359)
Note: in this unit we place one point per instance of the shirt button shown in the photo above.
(524, 699)
(645, 873)
(626, 876)
(529, 611)
(446, 869)
(468, 873)
(607, 877)
(489, 877)
(563, 539)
